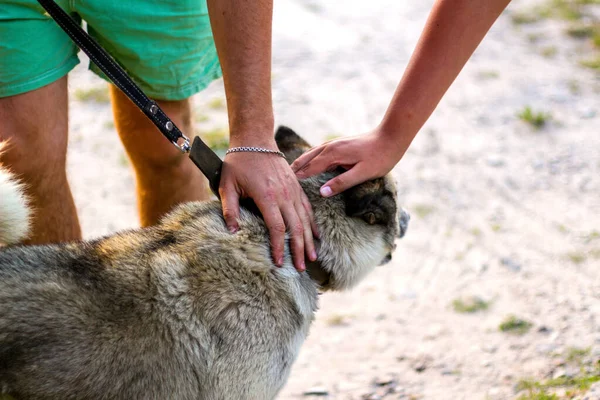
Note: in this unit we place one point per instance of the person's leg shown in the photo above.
(167, 48)
(35, 57)
(35, 126)
(165, 177)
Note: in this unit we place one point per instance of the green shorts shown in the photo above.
(166, 46)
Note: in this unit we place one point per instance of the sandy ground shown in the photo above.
(500, 210)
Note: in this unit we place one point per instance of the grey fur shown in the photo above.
(182, 310)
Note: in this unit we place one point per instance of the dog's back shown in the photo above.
(155, 313)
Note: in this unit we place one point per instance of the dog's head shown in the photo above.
(357, 228)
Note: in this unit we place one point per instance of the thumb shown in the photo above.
(348, 179)
(230, 202)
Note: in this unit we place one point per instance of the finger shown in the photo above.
(276, 226)
(348, 179)
(305, 158)
(230, 202)
(322, 163)
(294, 223)
(309, 244)
(311, 215)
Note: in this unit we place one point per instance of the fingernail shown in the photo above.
(280, 262)
(326, 191)
(233, 229)
(313, 255)
(302, 266)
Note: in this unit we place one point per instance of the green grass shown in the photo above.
(571, 386)
(592, 63)
(470, 305)
(538, 396)
(338, 319)
(542, 390)
(593, 235)
(217, 103)
(489, 74)
(524, 17)
(476, 232)
(534, 37)
(216, 139)
(201, 117)
(581, 31)
(515, 325)
(577, 354)
(582, 24)
(536, 119)
(576, 257)
(549, 52)
(97, 94)
(332, 136)
(562, 9)
(574, 86)
(123, 160)
(423, 210)
(586, 31)
(596, 39)
(569, 10)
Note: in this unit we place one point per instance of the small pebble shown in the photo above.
(510, 264)
(316, 391)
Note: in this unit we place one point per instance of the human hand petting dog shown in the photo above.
(242, 33)
(452, 32)
(363, 157)
(270, 182)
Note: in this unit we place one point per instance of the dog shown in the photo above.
(181, 310)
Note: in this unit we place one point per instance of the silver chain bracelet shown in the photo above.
(254, 150)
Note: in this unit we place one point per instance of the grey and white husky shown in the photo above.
(180, 310)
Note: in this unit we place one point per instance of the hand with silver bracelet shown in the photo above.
(260, 173)
(242, 33)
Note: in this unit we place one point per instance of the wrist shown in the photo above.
(393, 140)
(258, 135)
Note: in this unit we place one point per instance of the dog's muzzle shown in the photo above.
(403, 219)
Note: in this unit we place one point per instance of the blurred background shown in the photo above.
(494, 293)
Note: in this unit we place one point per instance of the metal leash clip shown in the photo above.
(185, 146)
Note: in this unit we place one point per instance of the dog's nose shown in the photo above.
(403, 219)
(386, 259)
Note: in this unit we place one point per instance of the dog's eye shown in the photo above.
(370, 218)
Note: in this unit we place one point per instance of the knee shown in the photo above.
(32, 154)
(146, 146)
(179, 111)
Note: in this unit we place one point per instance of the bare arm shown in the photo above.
(453, 31)
(242, 33)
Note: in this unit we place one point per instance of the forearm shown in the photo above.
(453, 31)
(242, 33)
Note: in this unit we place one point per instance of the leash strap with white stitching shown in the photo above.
(209, 163)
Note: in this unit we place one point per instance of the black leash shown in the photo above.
(205, 159)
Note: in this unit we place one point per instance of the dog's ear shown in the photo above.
(372, 202)
(290, 143)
